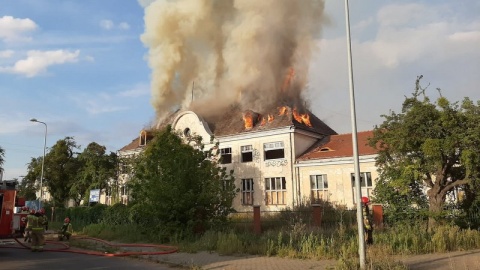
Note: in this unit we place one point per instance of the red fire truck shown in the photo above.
(12, 222)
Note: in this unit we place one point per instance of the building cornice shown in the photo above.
(334, 161)
(266, 133)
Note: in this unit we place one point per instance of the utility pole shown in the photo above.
(358, 188)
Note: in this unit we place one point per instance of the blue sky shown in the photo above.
(80, 66)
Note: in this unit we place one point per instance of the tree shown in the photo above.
(96, 168)
(179, 186)
(61, 169)
(32, 179)
(431, 145)
(27, 189)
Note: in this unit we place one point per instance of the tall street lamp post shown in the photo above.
(43, 160)
(358, 193)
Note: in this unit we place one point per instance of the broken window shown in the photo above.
(319, 187)
(275, 190)
(365, 183)
(247, 153)
(274, 150)
(247, 191)
(226, 155)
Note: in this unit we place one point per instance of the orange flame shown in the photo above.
(264, 121)
(248, 120)
(306, 119)
(282, 110)
(296, 115)
(288, 79)
(302, 118)
(270, 118)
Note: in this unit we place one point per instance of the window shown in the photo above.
(247, 153)
(273, 150)
(247, 191)
(227, 184)
(123, 190)
(365, 184)
(226, 155)
(319, 186)
(143, 138)
(187, 132)
(275, 190)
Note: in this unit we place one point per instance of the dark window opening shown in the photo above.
(247, 153)
(226, 155)
(274, 150)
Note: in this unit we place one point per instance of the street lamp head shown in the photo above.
(33, 120)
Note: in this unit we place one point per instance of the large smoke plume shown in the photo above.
(207, 55)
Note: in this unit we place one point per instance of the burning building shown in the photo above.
(238, 70)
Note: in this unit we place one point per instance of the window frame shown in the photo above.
(247, 191)
(246, 151)
(275, 191)
(319, 188)
(366, 186)
(224, 153)
(274, 150)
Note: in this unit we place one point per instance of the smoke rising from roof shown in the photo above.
(238, 52)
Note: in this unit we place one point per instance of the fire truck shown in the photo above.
(12, 221)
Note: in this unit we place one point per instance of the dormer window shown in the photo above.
(143, 138)
(187, 132)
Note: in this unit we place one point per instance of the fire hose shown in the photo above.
(66, 248)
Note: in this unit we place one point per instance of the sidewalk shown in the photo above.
(205, 261)
(459, 260)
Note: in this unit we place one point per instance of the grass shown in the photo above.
(302, 241)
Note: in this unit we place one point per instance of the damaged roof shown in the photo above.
(232, 122)
(337, 146)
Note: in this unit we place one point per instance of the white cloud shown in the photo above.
(137, 91)
(124, 26)
(6, 53)
(12, 29)
(106, 24)
(110, 25)
(145, 3)
(89, 58)
(38, 61)
(100, 104)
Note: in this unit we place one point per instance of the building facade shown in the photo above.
(278, 158)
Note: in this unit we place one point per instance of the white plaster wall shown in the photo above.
(339, 180)
(259, 169)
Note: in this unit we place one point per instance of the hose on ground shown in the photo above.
(66, 248)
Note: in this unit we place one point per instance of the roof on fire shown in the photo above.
(231, 123)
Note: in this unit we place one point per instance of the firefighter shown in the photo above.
(45, 219)
(28, 228)
(367, 222)
(37, 233)
(66, 230)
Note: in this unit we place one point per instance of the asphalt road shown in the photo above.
(14, 258)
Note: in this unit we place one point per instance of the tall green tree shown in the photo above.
(27, 189)
(61, 169)
(179, 186)
(431, 145)
(32, 178)
(96, 168)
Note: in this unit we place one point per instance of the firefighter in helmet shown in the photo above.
(66, 230)
(44, 220)
(28, 228)
(367, 222)
(37, 233)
